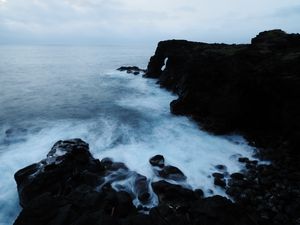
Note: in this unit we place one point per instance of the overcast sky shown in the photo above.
(143, 21)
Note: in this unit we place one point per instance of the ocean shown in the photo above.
(51, 93)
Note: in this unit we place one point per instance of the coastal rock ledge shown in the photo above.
(250, 89)
(71, 187)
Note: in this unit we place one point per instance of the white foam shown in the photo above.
(132, 141)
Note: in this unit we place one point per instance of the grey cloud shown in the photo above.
(142, 20)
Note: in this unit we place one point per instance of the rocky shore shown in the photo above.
(250, 89)
(71, 187)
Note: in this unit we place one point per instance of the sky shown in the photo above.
(143, 21)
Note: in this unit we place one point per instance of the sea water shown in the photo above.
(51, 93)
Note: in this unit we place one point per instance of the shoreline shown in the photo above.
(263, 194)
(265, 76)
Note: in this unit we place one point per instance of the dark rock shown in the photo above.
(215, 210)
(237, 176)
(243, 160)
(132, 69)
(218, 175)
(199, 192)
(251, 89)
(219, 182)
(261, 103)
(71, 187)
(221, 167)
(172, 173)
(171, 192)
(107, 162)
(157, 160)
(142, 188)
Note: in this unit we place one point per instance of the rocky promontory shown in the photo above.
(250, 89)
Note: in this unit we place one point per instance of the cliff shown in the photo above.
(250, 89)
(247, 88)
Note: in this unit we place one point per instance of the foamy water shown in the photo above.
(121, 116)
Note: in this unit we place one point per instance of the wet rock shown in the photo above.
(171, 192)
(199, 192)
(142, 188)
(221, 167)
(219, 182)
(172, 173)
(157, 160)
(237, 176)
(218, 175)
(243, 160)
(262, 105)
(107, 162)
(132, 69)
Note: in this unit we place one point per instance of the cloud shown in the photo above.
(144, 20)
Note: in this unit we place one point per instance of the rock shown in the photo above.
(218, 175)
(67, 160)
(172, 173)
(131, 69)
(243, 160)
(157, 160)
(107, 162)
(168, 192)
(142, 188)
(221, 167)
(237, 176)
(215, 210)
(72, 187)
(199, 192)
(219, 182)
(261, 104)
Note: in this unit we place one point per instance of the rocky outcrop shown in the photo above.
(250, 89)
(234, 88)
(132, 69)
(71, 187)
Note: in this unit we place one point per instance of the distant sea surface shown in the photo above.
(49, 93)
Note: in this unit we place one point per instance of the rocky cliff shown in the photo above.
(246, 88)
(251, 89)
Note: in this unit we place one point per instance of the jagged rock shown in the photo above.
(70, 187)
(218, 175)
(221, 167)
(142, 188)
(172, 173)
(171, 192)
(251, 89)
(157, 160)
(219, 182)
(237, 176)
(132, 69)
(248, 88)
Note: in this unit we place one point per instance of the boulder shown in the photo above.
(172, 173)
(157, 160)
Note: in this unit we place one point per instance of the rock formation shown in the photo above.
(70, 187)
(249, 89)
